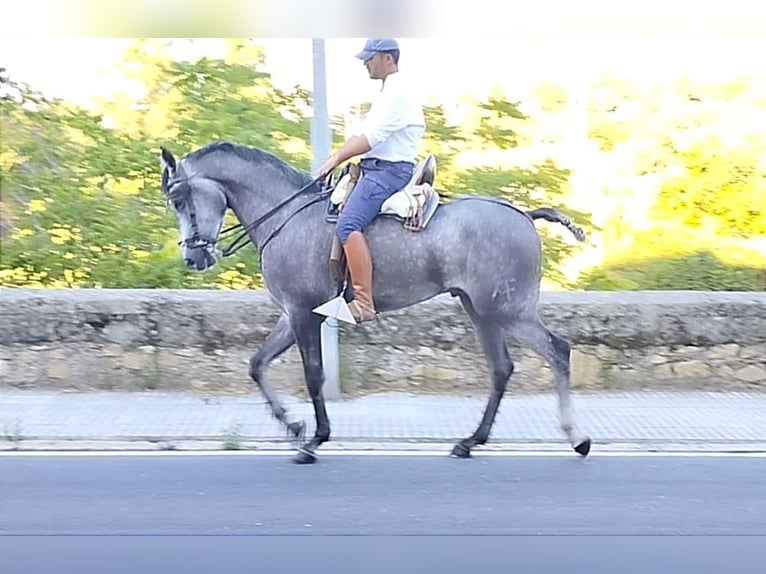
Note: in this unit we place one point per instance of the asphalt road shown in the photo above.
(364, 495)
(202, 514)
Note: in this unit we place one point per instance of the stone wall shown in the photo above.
(202, 340)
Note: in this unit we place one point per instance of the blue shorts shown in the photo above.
(379, 180)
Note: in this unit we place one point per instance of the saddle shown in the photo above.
(413, 205)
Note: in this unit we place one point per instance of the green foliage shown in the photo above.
(81, 204)
(721, 189)
(615, 113)
(706, 220)
(650, 261)
(529, 188)
(679, 272)
(498, 124)
(444, 141)
(503, 127)
(83, 200)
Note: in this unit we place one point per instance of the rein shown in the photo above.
(242, 239)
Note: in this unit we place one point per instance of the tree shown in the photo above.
(83, 187)
(503, 132)
(703, 153)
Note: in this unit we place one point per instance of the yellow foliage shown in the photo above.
(748, 252)
(60, 234)
(123, 186)
(36, 206)
(244, 52)
(92, 185)
(256, 92)
(9, 158)
(233, 279)
(13, 276)
(26, 277)
(160, 120)
(22, 277)
(78, 137)
(552, 96)
(292, 145)
(21, 233)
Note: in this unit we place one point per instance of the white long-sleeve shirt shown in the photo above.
(395, 124)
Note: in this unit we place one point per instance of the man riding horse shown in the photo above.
(387, 142)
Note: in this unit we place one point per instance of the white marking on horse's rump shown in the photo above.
(504, 292)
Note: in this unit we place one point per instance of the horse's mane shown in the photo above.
(296, 177)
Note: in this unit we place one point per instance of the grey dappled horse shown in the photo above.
(480, 249)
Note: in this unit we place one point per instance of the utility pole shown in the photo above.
(321, 143)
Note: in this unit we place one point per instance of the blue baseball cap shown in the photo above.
(377, 45)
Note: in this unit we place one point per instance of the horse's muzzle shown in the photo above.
(199, 259)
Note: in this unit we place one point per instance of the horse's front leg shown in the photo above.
(278, 341)
(307, 329)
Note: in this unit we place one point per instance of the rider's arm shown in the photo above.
(355, 145)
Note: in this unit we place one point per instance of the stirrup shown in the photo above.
(337, 308)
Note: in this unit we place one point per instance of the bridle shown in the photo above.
(199, 241)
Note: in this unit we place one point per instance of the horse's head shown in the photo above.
(199, 205)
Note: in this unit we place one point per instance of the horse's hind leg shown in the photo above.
(279, 340)
(556, 352)
(492, 339)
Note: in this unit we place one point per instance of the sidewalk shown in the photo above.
(644, 420)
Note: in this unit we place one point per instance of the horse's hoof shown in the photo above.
(304, 456)
(583, 448)
(460, 451)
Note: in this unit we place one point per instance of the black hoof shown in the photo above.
(304, 457)
(460, 451)
(583, 448)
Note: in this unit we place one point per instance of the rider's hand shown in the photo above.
(326, 168)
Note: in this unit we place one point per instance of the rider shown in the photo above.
(388, 143)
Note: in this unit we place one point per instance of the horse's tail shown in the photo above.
(554, 216)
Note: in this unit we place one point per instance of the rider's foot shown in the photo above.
(361, 312)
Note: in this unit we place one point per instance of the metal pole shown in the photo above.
(321, 143)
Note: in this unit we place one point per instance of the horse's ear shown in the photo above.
(167, 160)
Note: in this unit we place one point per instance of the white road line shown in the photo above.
(385, 453)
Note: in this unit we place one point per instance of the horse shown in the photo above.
(480, 249)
